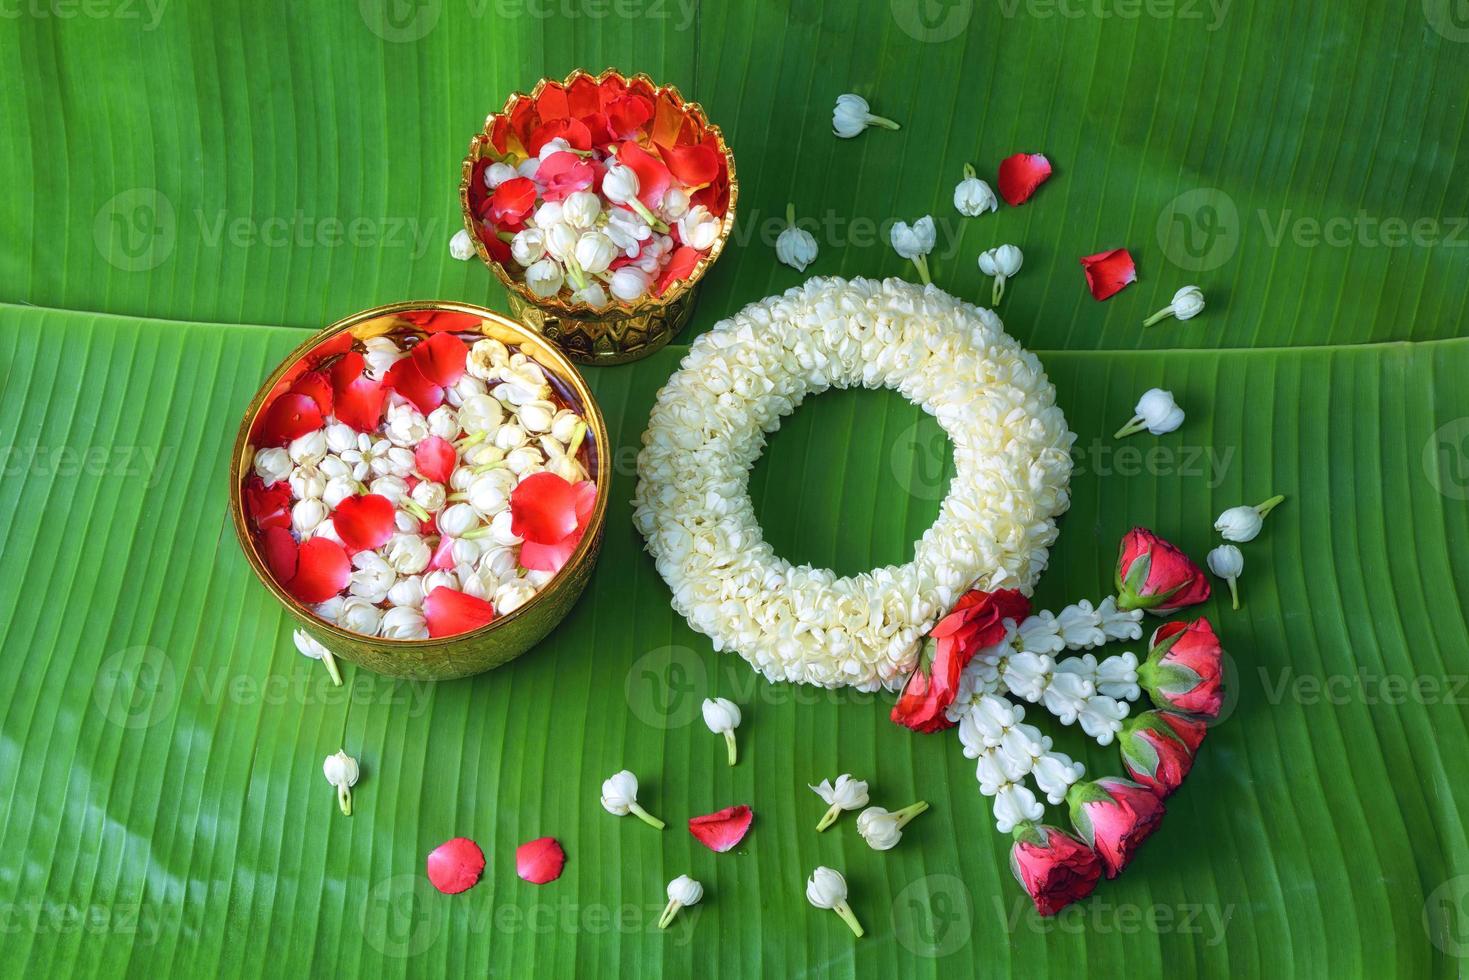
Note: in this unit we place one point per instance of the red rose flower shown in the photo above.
(1054, 868)
(1154, 575)
(1114, 816)
(1158, 748)
(1184, 669)
(976, 621)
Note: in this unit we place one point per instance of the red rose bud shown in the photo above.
(1114, 816)
(1154, 575)
(1054, 868)
(1185, 668)
(976, 621)
(1158, 748)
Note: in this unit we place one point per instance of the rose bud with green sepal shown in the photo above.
(1054, 868)
(1185, 668)
(1155, 575)
(1114, 816)
(1158, 748)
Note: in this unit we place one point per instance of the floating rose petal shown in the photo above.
(543, 508)
(433, 321)
(540, 860)
(406, 379)
(365, 522)
(322, 571)
(627, 115)
(456, 865)
(314, 385)
(723, 830)
(435, 458)
(449, 612)
(443, 556)
(679, 267)
(290, 416)
(498, 248)
(441, 359)
(563, 174)
(512, 201)
(359, 399)
(1108, 272)
(268, 506)
(694, 165)
(548, 557)
(573, 131)
(653, 176)
(1020, 175)
(279, 548)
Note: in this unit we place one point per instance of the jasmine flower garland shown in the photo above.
(803, 624)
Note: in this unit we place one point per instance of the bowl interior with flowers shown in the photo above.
(423, 487)
(599, 202)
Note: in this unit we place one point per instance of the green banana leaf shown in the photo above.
(181, 184)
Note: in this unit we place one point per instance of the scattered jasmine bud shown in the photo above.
(683, 891)
(1243, 523)
(882, 830)
(795, 247)
(847, 794)
(310, 647)
(460, 246)
(1187, 303)
(341, 771)
(972, 196)
(914, 242)
(1002, 263)
(851, 117)
(620, 797)
(1227, 562)
(1156, 411)
(827, 889)
(723, 717)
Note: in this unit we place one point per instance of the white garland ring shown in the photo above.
(1012, 453)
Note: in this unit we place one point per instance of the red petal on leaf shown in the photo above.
(406, 379)
(694, 165)
(449, 612)
(435, 458)
(512, 200)
(1108, 272)
(653, 176)
(1020, 175)
(290, 416)
(455, 865)
(365, 522)
(322, 571)
(548, 557)
(543, 508)
(540, 860)
(441, 359)
(723, 830)
(679, 267)
(268, 506)
(279, 548)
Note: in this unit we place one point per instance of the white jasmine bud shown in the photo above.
(972, 196)
(497, 173)
(914, 242)
(846, 794)
(1228, 562)
(272, 466)
(1156, 411)
(1002, 263)
(882, 830)
(341, 771)
(723, 717)
(698, 228)
(544, 278)
(620, 797)
(795, 247)
(683, 891)
(1244, 523)
(827, 889)
(310, 647)
(360, 616)
(851, 116)
(1187, 303)
(461, 246)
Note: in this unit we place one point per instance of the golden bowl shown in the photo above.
(508, 636)
(619, 332)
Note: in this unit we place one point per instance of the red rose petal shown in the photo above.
(268, 506)
(627, 115)
(694, 165)
(723, 830)
(1020, 175)
(290, 416)
(441, 359)
(653, 176)
(543, 508)
(679, 267)
(279, 550)
(573, 131)
(315, 386)
(1108, 272)
(322, 571)
(443, 556)
(434, 321)
(406, 379)
(365, 522)
(540, 860)
(449, 612)
(548, 557)
(512, 200)
(455, 865)
(586, 501)
(435, 458)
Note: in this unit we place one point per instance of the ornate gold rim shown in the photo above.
(545, 353)
(556, 305)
